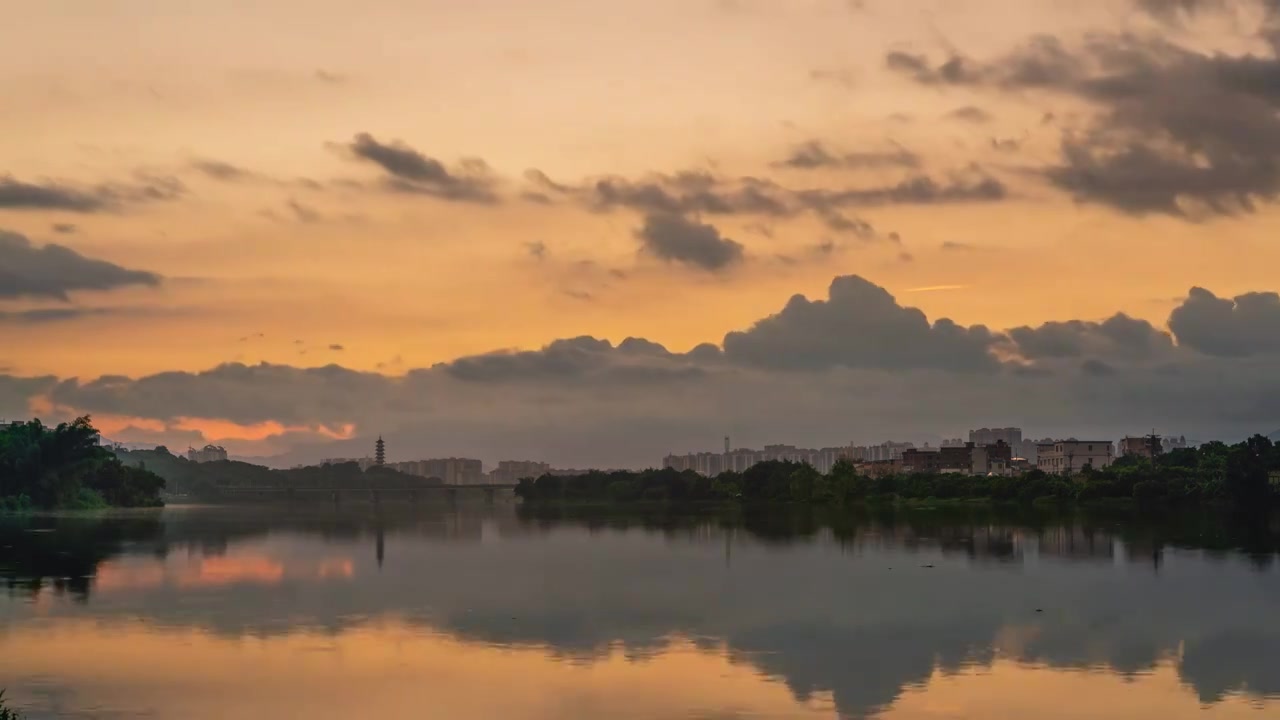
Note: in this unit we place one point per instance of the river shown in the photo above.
(507, 612)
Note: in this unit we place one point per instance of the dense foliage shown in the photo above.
(1246, 473)
(65, 467)
(209, 480)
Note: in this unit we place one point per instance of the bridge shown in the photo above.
(451, 494)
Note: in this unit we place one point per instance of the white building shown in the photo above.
(1068, 457)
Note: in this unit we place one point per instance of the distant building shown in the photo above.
(1068, 457)
(1010, 436)
(380, 452)
(209, 453)
(511, 472)
(1147, 446)
(953, 442)
(1174, 443)
(711, 464)
(452, 471)
(365, 462)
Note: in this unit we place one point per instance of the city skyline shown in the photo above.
(587, 246)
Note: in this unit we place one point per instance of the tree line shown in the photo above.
(212, 479)
(66, 467)
(1245, 473)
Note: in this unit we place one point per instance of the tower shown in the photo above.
(726, 444)
(380, 452)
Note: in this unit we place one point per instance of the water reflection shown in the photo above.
(585, 613)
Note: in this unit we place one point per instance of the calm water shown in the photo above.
(495, 613)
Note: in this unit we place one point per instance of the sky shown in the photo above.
(593, 233)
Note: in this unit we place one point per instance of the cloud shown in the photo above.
(856, 364)
(18, 195)
(1247, 325)
(411, 171)
(304, 213)
(578, 359)
(1120, 336)
(703, 193)
(224, 171)
(536, 249)
(813, 154)
(859, 325)
(48, 315)
(53, 271)
(1176, 130)
(331, 78)
(970, 114)
(336, 347)
(63, 228)
(676, 239)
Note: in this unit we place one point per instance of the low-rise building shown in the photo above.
(969, 459)
(1068, 457)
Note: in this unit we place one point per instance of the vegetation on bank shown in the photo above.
(1247, 473)
(64, 467)
(212, 479)
(6, 712)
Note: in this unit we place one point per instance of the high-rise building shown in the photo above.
(511, 472)
(1010, 436)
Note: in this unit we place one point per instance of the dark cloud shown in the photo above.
(860, 325)
(973, 185)
(224, 171)
(18, 195)
(971, 114)
(336, 347)
(63, 228)
(1247, 325)
(410, 171)
(54, 270)
(1117, 337)
(952, 246)
(703, 193)
(1177, 130)
(813, 154)
(675, 238)
(577, 359)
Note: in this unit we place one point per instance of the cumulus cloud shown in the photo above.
(1247, 325)
(856, 364)
(675, 238)
(859, 325)
(1120, 336)
(410, 171)
(52, 271)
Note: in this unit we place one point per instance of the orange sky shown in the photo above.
(278, 243)
(576, 89)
